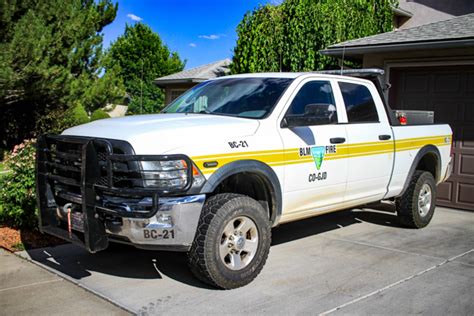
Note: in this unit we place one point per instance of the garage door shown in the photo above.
(449, 91)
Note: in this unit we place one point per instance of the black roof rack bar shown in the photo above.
(365, 72)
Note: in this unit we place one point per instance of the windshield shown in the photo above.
(242, 97)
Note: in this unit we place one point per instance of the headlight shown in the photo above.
(169, 175)
(165, 175)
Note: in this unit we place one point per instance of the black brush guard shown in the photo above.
(91, 187)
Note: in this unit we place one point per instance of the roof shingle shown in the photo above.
(456, 28)
(201, 73)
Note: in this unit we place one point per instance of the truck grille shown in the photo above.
(62, 164)
(99, 174)
(64, 160)
(84, 184)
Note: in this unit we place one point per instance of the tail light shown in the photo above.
(452, 146)
(402, 118)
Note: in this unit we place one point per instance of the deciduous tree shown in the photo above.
(288, 37)
(142, 57)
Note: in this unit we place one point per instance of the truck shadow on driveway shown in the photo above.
(380, 214)
(128, 262)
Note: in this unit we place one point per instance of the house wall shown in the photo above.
(422, 56)
(429, 11)
(169, 89)
(436, 57)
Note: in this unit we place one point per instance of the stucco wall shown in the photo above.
(461, 56)
(380, 60)
(428, 11)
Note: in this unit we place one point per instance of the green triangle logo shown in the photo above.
(318, 155)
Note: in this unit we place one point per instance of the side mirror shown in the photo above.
(314, 114)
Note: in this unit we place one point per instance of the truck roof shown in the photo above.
(359, 73)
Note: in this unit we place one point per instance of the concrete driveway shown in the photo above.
(26, 289)
(356, 262)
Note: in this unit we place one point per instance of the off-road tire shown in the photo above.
(203, 257)
(407, 205)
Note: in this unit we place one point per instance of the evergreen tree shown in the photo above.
(51, 60)
(143, 57)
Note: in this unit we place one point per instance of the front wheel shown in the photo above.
(232, 241)
(415, 207)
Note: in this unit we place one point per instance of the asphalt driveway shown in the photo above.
(356, 262)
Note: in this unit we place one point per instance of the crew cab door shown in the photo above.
(314, 177)
(370, 143)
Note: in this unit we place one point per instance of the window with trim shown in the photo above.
(175, 93)
(360, 105)
(312, 92)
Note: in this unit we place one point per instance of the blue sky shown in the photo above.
(200, 31)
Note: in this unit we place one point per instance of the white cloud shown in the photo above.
(276, 2)
(211, 36)
(134, 17)
(192, 45)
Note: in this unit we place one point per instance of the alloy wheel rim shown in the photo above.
(424, 200)
(239, 243)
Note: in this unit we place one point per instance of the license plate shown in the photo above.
(77, 221)
(158, 234)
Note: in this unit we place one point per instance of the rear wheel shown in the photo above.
(415, 207)
(232, 241)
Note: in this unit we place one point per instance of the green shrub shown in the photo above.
(99, 114)
(17, 188)
(56, 121)
(79, 115)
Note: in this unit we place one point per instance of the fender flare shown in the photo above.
(428, 149)
(250, 166)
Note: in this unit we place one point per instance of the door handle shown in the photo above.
(337, 140)
(385, 137)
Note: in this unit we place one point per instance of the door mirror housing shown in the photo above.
(314, 114)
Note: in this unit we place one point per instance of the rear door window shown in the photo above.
(360, 105)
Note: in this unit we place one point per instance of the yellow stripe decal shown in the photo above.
(281, 157)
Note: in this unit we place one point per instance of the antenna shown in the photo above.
(342, 61)
(141, 91)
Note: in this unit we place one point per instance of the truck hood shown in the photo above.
(159, 133)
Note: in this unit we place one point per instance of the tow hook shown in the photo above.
(67, 209)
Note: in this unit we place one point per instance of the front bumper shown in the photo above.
(172, 228)
(79, 201)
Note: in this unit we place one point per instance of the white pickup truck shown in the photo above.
(230, 159)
